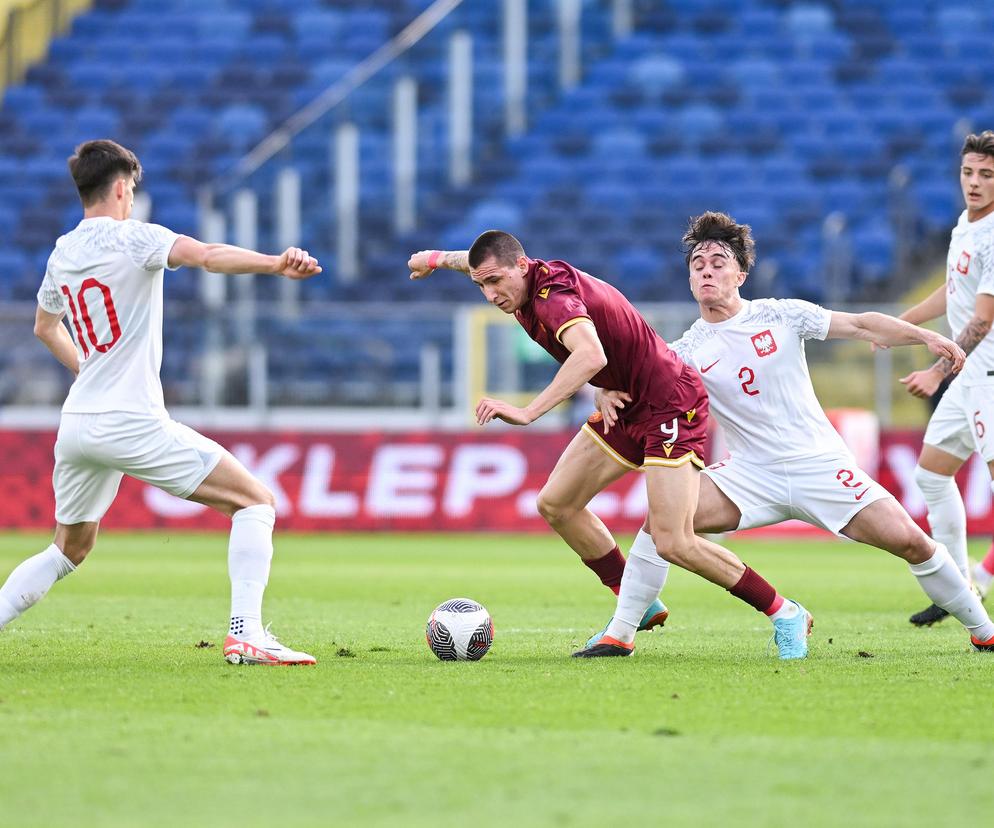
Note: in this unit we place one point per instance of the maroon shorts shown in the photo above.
(660, 432)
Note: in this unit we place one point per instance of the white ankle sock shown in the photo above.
(250, 553)
(946, 514)
(645, 575)
(945, 585)
(30, 581)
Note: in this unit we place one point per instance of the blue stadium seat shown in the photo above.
(700, 121)
(656, 74)
(805, 20)
(234, 24)
(241, 124)
(953, 20)
(758, 22)
(22, 99)
(756, 72)
(96, 122)
(8, 220)
(940, 203)
(324, 25)
(93, 75)
(873, 249)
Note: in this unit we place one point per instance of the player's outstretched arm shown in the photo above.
(884, 330)
(425, 262)
(50, 330)
(585, 360)
(294, 263)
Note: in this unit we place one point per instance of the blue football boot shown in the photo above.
(791, 634)
(655, 616)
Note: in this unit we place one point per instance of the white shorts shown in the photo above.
(93, 452)
(825, 491)
(963, 422)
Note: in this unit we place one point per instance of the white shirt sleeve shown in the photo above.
(985, 256)
(148, 245)
(684, 346)
(806, 319)
(49, 296)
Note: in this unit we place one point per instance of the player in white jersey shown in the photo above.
(785, 459)
(106, 276)
(963, 421)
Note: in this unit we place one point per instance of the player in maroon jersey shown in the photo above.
(598, 337)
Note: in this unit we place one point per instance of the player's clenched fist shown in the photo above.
(297, 264)
(423, 262)
(923, 384)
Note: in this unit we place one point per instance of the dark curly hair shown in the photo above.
(723, 229)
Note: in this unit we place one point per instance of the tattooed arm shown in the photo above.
(422, 263)
(924, 383)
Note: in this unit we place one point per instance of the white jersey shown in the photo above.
(757, 379)
(106, 275)
(969, 271)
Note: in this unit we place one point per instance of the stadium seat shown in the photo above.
(21, 99)
(656, 74)
(873, 249)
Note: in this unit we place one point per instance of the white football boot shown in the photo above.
(981, 581)
(264, 649)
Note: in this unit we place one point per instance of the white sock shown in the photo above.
(30, 581)
(945, 585)
(250, 553)
(645, 575)
(946, 514)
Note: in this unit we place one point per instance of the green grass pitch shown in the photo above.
(110, 715)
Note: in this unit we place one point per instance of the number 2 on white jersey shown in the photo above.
(108, 300)
(749, 377)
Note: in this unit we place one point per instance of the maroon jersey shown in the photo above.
(666, 422)
(638, 359)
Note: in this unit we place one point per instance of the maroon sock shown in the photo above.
(609, 569)
(755, 590)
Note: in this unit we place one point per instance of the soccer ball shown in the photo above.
(460, 630)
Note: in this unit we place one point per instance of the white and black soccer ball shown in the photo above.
(460, 630)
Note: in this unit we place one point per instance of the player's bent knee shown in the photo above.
(677, 548)
(553, 511)
(267, 498)
(255, 495)
(932, 484)
(920, 547)
(907, 541)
